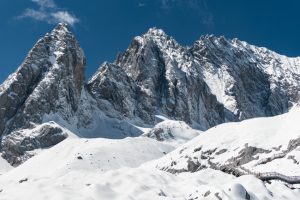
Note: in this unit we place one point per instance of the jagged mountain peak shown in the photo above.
(214, 81)
(157, 37)
(50, 80)
(156, 32)
(247, 80)
(62, 32)
(63, 27)
(154, 83)
(212, 41)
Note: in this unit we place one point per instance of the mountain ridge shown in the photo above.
(216, 80)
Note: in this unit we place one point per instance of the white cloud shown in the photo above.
(141, 4)
(64, 16)
(49, 12)
(35, 14)
(45, 3)
(200, 6)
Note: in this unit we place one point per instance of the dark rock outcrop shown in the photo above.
(19, 146)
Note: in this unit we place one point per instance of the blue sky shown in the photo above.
(106, 27)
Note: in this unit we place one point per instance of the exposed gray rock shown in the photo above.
(293, 158)
(50, 80)
(116, 93)
(157, 83)
(193, 166)
(221, 151)
(206, 193)
(214, 81)
(256, 81)
(293, 144)
(247, 154)
(19, 146)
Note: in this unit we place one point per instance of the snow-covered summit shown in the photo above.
(156, 32)
(61, 28)
(235, 80)
(49, 82)
(249, 81)
(216, 80)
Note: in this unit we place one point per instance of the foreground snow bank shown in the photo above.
(143, 183)
(130, 169)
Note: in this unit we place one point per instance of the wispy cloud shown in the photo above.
(48, 11)
(64, 16)
(141, 4)
(45, 3)
(199, 6)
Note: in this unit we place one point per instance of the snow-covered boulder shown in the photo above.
(171, 131)
(21, 145)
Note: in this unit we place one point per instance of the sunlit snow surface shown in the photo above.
(90, 169)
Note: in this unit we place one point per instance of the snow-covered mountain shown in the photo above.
(157, 97)
(50, 80)
(214, 81)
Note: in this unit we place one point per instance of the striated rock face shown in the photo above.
(163, 79)
(114, 90)
(50, 80)
(214, 81)
(19, 146)
(249, 81)
(49, 85)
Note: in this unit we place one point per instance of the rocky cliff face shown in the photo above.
(163, 80)
(249, 81)
(49, 85)
(50, 80)
(213, 81)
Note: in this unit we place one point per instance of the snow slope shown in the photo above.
(71, 162)
(257, 145)
(4, 166)
(130, 168)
